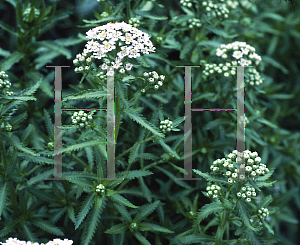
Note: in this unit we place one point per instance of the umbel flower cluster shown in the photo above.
(263, 213)
(213, 191)
(57, 241)
(166, 125)
(127, 40)
(4, 84)
(228, 167)
(153, 79)
(246, 193)
(82, 119)
(235, 54)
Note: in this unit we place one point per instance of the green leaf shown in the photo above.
(14, 58)
(168, 148)
(209, 178)
(46, 226)
(122, 210)
(145, 210)
(92, 223)
(145, 189)
(142, 239)
(87, 94)
(3, 197)
(17, 144)
(269, 60)
(268, 227)
(217, 122)
(87, 204)
(3, 52)
(49, 124)
(28, 233)
(253, 135)
(142, 121)
(153, 227)
(244, 215)
(206, 210)
(120, 199)
(54, 47)
(80, 146)
(173, 178)
(98, 202)
(116, 229)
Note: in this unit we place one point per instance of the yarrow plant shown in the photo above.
(232, 198)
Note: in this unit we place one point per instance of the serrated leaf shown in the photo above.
(116, 229)
(244, 215)
(168, 149)
(14, 58)
(145, 210)
(142, 121)
(153, 227)
(46, 226)
(120, 199)
(142, 239)
(150, 16)
(88, 94)
(122, 210)
(86, 206)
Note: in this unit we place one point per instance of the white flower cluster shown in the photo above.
(186, 3)
(4, 84)
(213, 191)
(134, 21)
(194, 23)
(50, 145)
(228, 167)
(6, 125)
(152, 79)
(83, 61)
(221, 68)
(263, 213)
(57, 241)
(100, 188)
(104, 14)
(166, 125)
(241, 51)
(116, 65)
(253, 77)
(215, 9)
(246, 193)
(81, 119)
(111, 36)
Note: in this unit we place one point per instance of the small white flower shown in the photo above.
(237, 54)
(248, 199)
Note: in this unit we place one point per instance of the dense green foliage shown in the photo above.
(145, 204)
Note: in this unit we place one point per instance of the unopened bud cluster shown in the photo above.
(194, 23)
(50, 145)
(134, 22)
(263, 213)
(186, 3)
(83, 62)
(246, 193)
(213, 191)
(228, 167)
(4, 84)
(26, 14)
(100, 188)
(153, 79)
(216, 9)
(82, 119)
(243, 120)
(166, 125)
(5, 125)
(253, 77)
